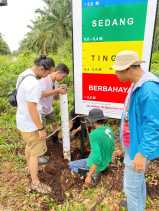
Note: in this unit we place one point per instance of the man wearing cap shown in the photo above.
(102, 147)
(139, 126)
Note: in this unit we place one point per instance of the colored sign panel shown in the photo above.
(102, 28)
(100, 24)
(98, 57)
(88, 3)
(97, 89)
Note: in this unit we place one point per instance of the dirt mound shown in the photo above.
(57, 174)
(152, 179)
(59, 177)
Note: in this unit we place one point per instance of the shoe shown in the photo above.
(95, 179)
(40, 188)
(43, 160)
(82, 172)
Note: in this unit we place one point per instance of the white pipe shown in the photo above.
(65, 126)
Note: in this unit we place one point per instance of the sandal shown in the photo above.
(41, 188)
(43, 160)
(40, 168)
(26, 171)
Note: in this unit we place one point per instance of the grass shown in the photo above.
(13, 180)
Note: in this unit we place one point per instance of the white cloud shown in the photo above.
(14, 19)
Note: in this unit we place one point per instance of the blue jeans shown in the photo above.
(75, 165)
(134, 186)
(81, 164)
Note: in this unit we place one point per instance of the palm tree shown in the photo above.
(4, 49)
(57, 24)
(156, 35)
(52, 27)
(156, 40)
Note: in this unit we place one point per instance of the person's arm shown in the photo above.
(52, 92)
(149, 143)
(32, 108)
(94, 158)
(92, 170)
(73, 132)
(33, 94)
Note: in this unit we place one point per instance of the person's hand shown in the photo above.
(61, 90)
(42, 134)
(88, 180)
(118, 153)
(139, 162)
(73, 133)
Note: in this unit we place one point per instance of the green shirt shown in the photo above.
(102, 147)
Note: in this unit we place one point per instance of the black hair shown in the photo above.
(72, 113)
(101, 121)
(62, 68)
(46, 62)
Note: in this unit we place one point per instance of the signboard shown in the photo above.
(102, 28)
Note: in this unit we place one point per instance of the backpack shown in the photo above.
(13, 95)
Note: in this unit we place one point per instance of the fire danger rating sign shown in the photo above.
(102, 28)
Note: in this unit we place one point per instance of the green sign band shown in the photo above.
(114, 23)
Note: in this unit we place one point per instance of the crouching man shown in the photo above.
(102, 147)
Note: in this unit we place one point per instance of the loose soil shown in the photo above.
(58, 176)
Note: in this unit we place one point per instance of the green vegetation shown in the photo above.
(11, 67)
(50, 33)
(155, 63)
(51, 28)
(4, 49)
(156, 37)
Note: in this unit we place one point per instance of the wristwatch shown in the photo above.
(40, 129)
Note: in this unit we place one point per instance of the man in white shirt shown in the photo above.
(28, 117)
(49, 90)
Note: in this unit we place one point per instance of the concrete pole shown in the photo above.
(65, 126)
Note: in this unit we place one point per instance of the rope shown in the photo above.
(55, 131)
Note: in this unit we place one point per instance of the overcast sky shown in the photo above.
(14, 19)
